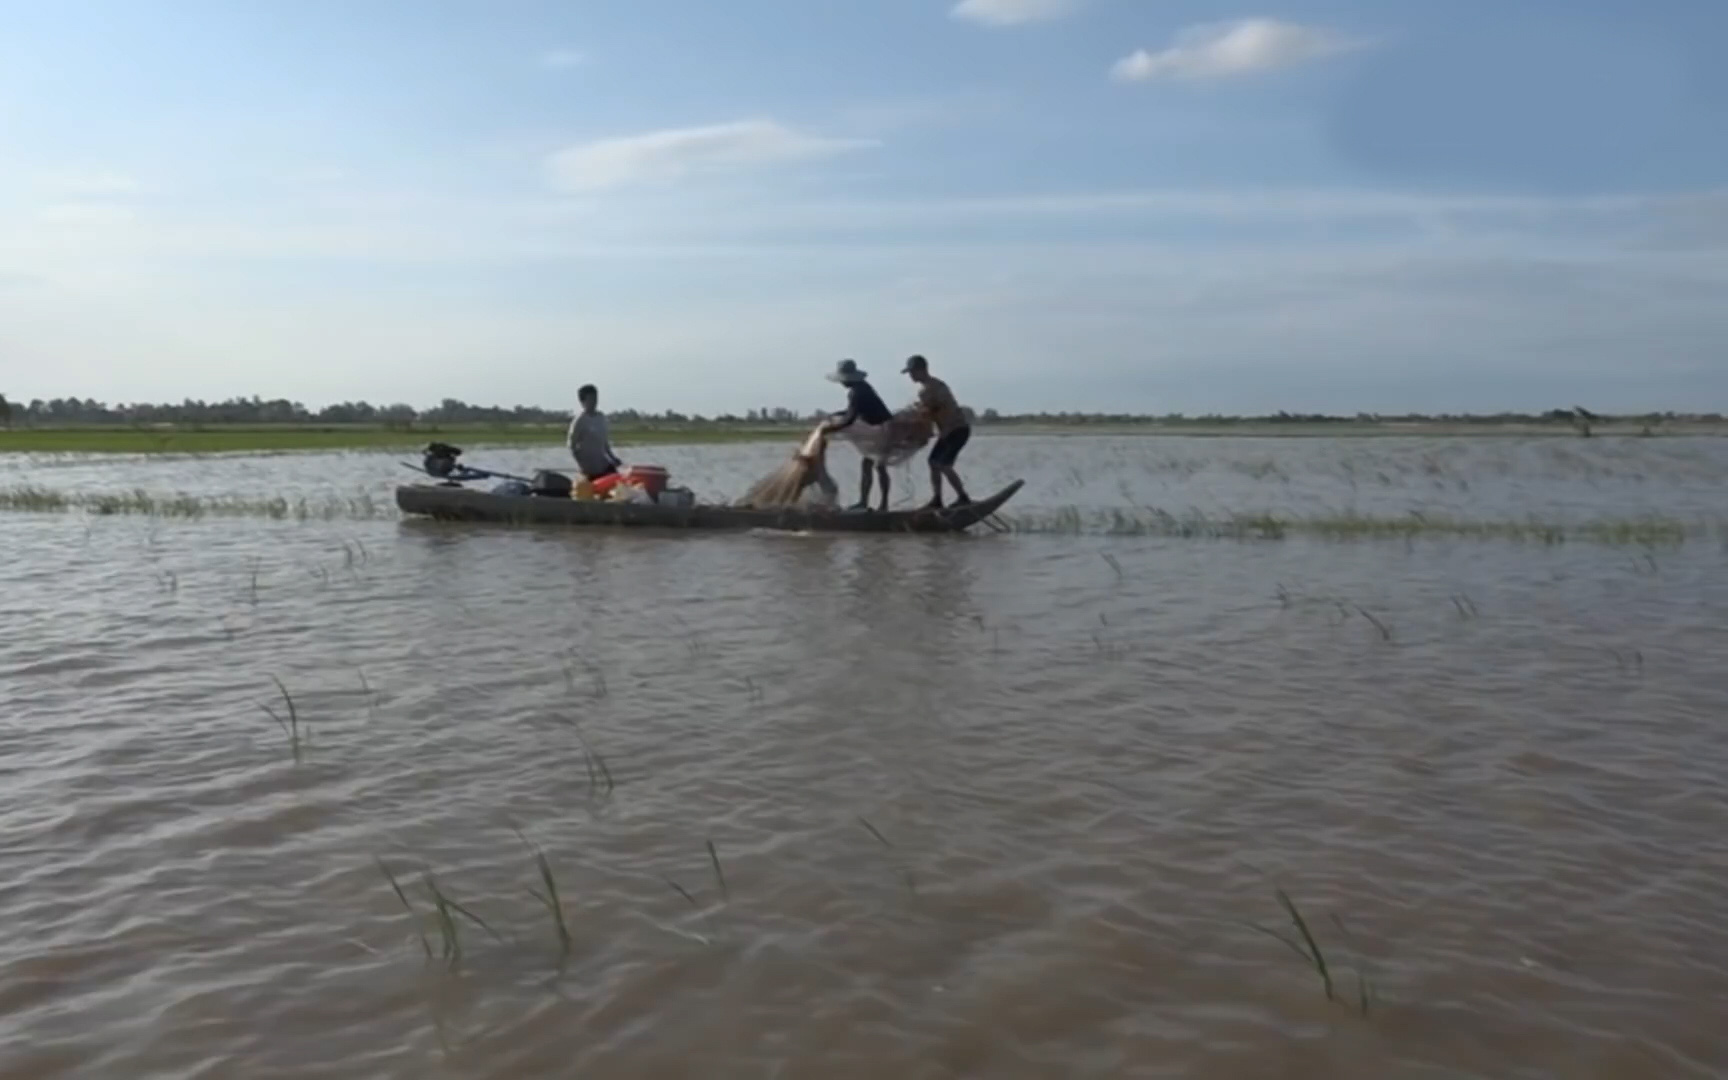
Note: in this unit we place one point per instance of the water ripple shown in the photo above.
(1001, 808)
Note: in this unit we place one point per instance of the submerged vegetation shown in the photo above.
(1646, 531)
(1304, 944)
(1643, 531)
(442, 916)
(290, 724)
(1343, 492)
(143, 503)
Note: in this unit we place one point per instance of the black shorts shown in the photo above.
(948, 447)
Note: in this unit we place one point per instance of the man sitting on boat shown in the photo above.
(590, 439)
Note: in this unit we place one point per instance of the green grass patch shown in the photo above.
(268, 438)
(278, 438)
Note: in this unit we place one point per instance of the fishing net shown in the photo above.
(804, 480)
(787, 485)
(891, 443)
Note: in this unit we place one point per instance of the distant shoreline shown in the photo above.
(241, 438)
(1361, 429)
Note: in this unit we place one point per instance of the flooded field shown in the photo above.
(1235, 758)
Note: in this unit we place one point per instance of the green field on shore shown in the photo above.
(242, 438)
(256, 438)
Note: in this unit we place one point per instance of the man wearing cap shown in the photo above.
(937, 403)
(866, 423)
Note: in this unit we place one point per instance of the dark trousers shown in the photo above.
(948, 447)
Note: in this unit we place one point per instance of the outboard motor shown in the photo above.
(554, 484)
(440, 460)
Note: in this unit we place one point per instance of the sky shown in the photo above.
(1145, 206)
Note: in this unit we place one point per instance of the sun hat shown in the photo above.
(847, 371)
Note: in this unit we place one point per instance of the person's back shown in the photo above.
(939, 403)
(865, 404)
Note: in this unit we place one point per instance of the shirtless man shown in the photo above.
(937, 402)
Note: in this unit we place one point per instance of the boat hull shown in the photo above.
(447, 503)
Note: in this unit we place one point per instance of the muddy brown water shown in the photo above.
(998, 806)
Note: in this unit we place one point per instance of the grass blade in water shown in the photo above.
(719, 875)
(396, 887)
(291, 726)
(883, 840)
(1315, 955)
(554, 903)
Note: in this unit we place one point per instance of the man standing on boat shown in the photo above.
(590, 439)
(866, 423)
(937, 403)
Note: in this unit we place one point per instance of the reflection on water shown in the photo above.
(987, 806)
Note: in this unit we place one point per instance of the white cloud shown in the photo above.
(896, 114)
(98, 184)
(1227, 49)
(1319, 329)
(563, 59)
(1013, 12)
(1341, 205)
(747, 223)
(1325, 319)
(85, 214)
(318, 175)
(663, 156)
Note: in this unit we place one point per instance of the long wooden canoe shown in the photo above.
(450, 503)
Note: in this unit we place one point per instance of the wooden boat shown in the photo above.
(450, 502)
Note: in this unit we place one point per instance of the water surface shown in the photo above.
(1006, 806)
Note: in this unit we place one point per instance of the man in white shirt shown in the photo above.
(590, 441)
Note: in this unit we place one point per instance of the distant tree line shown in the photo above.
(255, 410)
(1573, 416)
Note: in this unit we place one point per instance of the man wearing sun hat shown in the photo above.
(867, 424)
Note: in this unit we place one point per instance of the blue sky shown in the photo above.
(1120, 205)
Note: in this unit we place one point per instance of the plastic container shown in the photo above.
(606, 483)
(652, 478)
